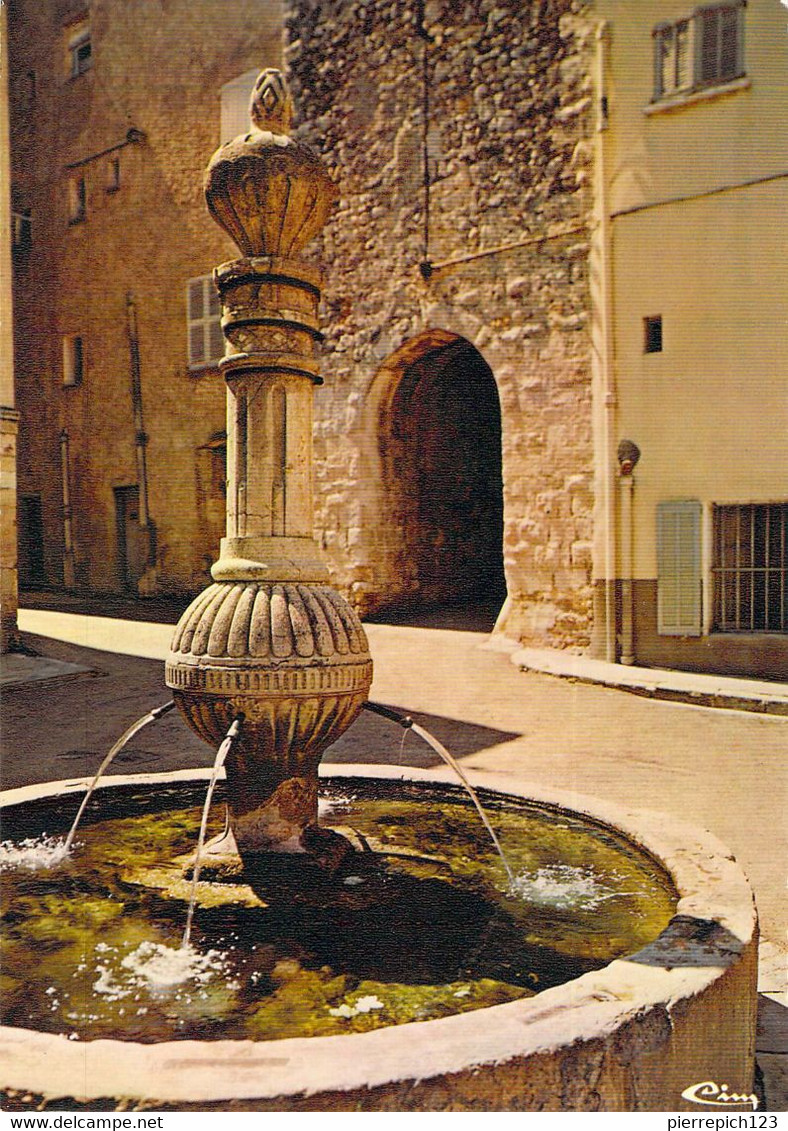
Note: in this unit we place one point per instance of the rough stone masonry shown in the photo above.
(493, 98)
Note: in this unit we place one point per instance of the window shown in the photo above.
(706, 49)
(79, 51)
(204, 331)
(235, 99)
(73, 360)
(77, 199)
(652, 334)
(21, 232)
(679, 568)
(750, 566)
(113, 174)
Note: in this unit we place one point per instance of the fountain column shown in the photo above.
(270, 641)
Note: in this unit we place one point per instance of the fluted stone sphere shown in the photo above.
(293, 659)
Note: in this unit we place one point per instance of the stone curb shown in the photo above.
(684, 687)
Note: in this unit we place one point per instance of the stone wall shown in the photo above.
(506, 86)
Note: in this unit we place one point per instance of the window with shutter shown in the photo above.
(679, 568)
(706, 49)
(203, 323)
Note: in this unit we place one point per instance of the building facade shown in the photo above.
(551, 280)
(114, 110)
(694, 169)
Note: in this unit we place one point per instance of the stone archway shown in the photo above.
(441, 449)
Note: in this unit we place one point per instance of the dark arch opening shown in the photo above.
(443, 462)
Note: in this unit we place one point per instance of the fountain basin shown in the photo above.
(631, 1036)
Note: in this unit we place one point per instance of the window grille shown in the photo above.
(705, 49)
(205, 341)
(750, 566)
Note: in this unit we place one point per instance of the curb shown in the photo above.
(683, 687)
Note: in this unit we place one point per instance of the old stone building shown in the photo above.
(508, 173)
(114, 110)
(458, 281)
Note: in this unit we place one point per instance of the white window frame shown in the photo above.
(204, 338)
(688, 67)
(73, 360)
(78, 38)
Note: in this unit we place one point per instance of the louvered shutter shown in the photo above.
(679, 568)
(203, 320)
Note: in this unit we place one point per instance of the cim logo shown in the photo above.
(713, 1095)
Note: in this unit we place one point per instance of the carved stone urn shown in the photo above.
(270, 641)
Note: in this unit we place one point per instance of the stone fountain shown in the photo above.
(270, 641)
(271, 647)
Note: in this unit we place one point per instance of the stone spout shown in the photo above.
(270, 639)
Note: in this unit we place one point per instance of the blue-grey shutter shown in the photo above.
(679, 568)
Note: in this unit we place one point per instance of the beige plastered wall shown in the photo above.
(695, 197)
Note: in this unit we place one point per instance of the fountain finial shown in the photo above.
(270, 192)
(271, 104)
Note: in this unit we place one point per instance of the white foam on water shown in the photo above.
(156, 966)
(563, 886)
(362, 1005)
(326, 805)
(33, 853)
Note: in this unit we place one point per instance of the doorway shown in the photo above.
(32, 574)
(445, 479)
(131, 539)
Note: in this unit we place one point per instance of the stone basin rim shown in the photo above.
(711, 887)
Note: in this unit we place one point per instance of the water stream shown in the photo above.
(408, 724)
(221, 755)
(125, 738)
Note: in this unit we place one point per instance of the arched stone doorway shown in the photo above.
(441, 447)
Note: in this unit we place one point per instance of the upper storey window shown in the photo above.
(79, 50)
(706, 49)
(235, 98)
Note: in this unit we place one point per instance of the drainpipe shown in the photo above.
(607, 355)
(627, 484)
(628, 455)
(68, 531)
(140, 438)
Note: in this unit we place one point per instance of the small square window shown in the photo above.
(652, 334)
(77, 199)
(73, 360)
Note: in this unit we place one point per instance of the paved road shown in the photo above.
(724, 770)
